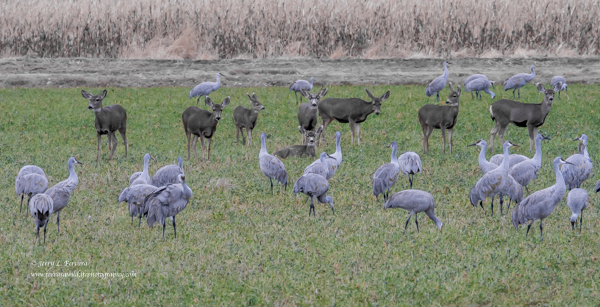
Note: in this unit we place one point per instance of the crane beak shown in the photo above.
(568, 163)
(577, 139)
(546, 138)
(331, 157)
(77, 162)
(473, 144)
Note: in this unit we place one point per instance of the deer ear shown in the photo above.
(103, 94)
(249, 97)
(85, 94)
(305, 93)
(541, 88)
(323, 92)
(254, 96)
(458, 89)
(225, 102)
(450, 86)
(369, 93)
(208, 101)
(319, 130)
(385, 96)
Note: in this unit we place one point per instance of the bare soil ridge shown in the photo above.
(95, 72)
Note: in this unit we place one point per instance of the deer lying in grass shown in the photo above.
(246, 118)
(307, 112)
(108, 120)
(307, 149)
(350, 110)
(202, 124)
(530, 115)
(433, 116)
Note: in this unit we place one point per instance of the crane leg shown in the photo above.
(514, 93)
(437, 97)
(27, 206)
(164, 224)
(541, 231)
(37, 232)
(417, 222)
(580, 221)
(174, 227)
(271, 180)
(45, 226)
(139, 220)
(528, 227)
(58, 221)
(406, 224)
(519, 91)
(21, 207)
(410, 179)
(296, 93)
(481, 205)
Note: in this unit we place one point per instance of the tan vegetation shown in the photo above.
(207, 29)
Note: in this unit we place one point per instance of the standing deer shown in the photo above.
(108, 120)
(246, 118)
(307, 112)
(350, 110)
(530, 115)
(202, 123)
(433, 116)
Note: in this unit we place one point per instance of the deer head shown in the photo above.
(216, 108)
(256, 105)
(376, 101)
(314, 98)
(548, 93)
(454, 96)
(95, 100)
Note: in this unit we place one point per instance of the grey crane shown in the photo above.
(517, 81)
(410, 164)
(513, 159)
(473, 77)
(524, 172)
(61, 192)
(270, 166)
(559, 83)
(414, 201)
(579, 168)
(322, 167)
(168, 174)
(205, 88)
(577, 200)
(334, 160)
(143, 174)
(314, 187)
(484, 164)
(134, 197)
(480, 85)
(31, 180)
(41, 210)
(386, 175)
(166, 202)
(497, 182)
(540, 204)
(299, 85)
(437, 84)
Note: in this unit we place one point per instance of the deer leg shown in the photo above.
(352, 126)
(123, 133)
(358, 132)
(444, 138)
(501, 133)
(208, 149)
(450, 132)
(194, 141)
(113, 140)
(426, 133)
(237, 133)
(188, 135)
(249, 132)
(98, 151)
(532, 133)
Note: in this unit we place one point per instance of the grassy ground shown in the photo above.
(240, 245)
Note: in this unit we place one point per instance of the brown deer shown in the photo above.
(433, 116)
(307, 112)
(246, 118)
(350, 110)
(202, 124)
(530, 115)
(307, 149)
(108, 120)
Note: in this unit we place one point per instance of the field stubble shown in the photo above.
(237, 244)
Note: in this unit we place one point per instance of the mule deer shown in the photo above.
(433, 116)
(202, 123)
(108, 120)
(307, 149)
(246, 118)
(350, 110)
(530, 115)
(307, 112)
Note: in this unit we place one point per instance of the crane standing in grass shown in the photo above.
(61, 192)
(579, 167)
(437, 84)
(205, 88)
(314, 186)
(31, 180)
(168, 174)
(41, 210)
(166, 202)
(577, 200)
(386, 175)
(270, 166)
(299, 85)
(517, 81)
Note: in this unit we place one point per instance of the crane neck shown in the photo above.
(263, 145)
(560, 181)
(187, 192)
(146, 162)
(445, 75)
(506, 158)
(537, 157)
(180, 162)
(394, 158)
(72, 173)
(338, 146)
(218, 81)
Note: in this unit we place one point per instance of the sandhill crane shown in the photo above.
(513, 159)
(205, 88)
(480, 85)
(168, 174)
(166, 202)
(517, 81)
(414, 201)
(335, 159)
(314, 187)
(322, 167)
(577, 200)
(410, 164)
(270, 166)
(559, 83)
(497, 182)
(61, 192)
(524, 172)
(484, 164)
(31, 180)
(540, 204)
(437, 84)
(473, 77)
(143, 174)
(134, 197)
(41, 210)
(386, 175)
(299, 85)
(580, 166)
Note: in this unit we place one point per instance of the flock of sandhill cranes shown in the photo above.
(166, 193)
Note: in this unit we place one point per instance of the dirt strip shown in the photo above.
(94, 72)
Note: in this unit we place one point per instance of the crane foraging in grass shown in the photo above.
(41, 210)
(31, 180)
(167, 202)
(414, 201)
(205, 88)
(314, 186)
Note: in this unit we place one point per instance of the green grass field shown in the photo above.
(239, 245)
